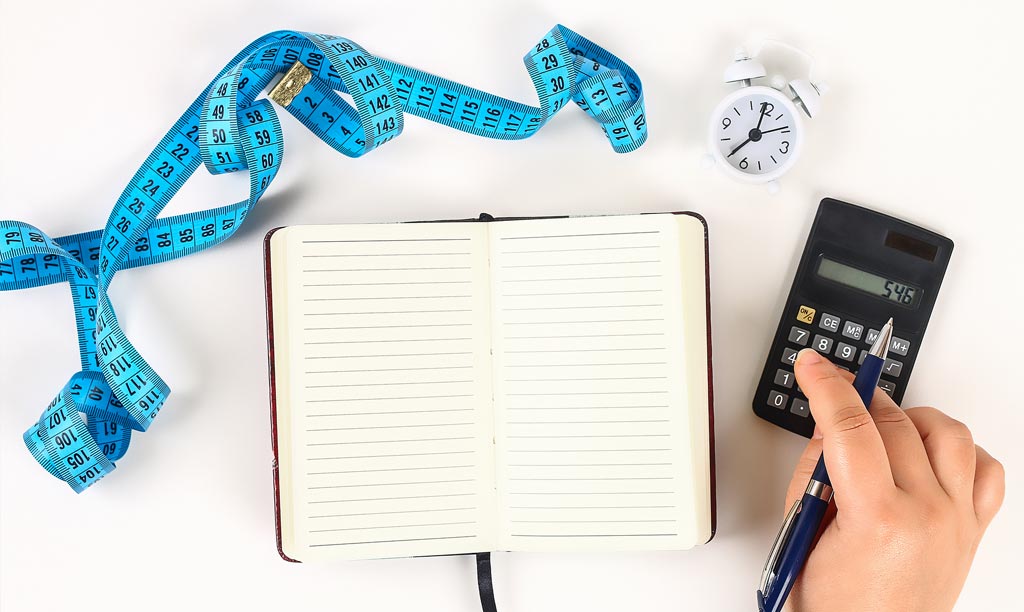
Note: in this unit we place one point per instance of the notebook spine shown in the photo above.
(274, 466)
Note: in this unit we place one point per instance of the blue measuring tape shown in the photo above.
(88, 426)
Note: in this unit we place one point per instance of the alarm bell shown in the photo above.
(744, 69)
(807, 95)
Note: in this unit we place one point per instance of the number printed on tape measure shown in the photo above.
(226, 129)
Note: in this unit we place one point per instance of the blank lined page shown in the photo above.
(592, 429)
(390, 401)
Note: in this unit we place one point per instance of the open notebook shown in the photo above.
(457, 387)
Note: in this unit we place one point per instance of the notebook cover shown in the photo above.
(711, 386)
(487, 218)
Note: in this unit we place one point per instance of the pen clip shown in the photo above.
(768, 574)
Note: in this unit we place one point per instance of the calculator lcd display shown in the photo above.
(885, 288)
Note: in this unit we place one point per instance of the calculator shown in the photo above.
(859, 267)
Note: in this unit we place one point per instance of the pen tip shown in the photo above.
(889, 322)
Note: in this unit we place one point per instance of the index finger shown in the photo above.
(854, 453)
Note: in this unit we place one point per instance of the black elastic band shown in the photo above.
(484, 582)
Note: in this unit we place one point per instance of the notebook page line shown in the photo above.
(598, 391)
(395, 386)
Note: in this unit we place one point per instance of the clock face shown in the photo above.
(757, 132)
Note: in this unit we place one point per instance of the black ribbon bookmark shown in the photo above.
(484, 582)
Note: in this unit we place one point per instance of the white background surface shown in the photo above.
(923, 121)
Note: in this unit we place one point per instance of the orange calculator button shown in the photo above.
(805, 314)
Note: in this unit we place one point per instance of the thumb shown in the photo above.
(804, 469)
(854, 453)
(808, 460)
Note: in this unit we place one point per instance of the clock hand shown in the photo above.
(755, 134)
(738, 147)
(764, 107)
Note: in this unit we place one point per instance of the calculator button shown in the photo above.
(892, 367)
(888, 387)
(777, 400)
(805, 314)
(823, 344)
(846, 352)
(853, 330)
(784, 378)
(899, 346)
(872, 335)
(799, 335)
(863, 354)
(829, 322)
(788, 356)
(800, 407)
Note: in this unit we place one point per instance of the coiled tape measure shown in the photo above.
(227, 129)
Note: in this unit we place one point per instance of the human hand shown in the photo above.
(913, 496)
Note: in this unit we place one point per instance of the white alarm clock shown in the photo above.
(757, 132)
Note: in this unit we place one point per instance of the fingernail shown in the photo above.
(817, 433)
(808, 357)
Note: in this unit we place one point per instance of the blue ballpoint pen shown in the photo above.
(789, 552)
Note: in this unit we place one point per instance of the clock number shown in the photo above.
(744, 164)
(726, 122)
(785, 147)
(768, 108)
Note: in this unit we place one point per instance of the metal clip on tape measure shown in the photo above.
(227, 129)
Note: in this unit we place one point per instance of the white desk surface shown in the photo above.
(923, 121)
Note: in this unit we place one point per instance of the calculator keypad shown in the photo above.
(829, 322)
(784, 378)
(798, 335)
(823, 344)
(842, 341)
(846, 352)
(899, 346)
(892, 367)
(777, 400)
(853, 330)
